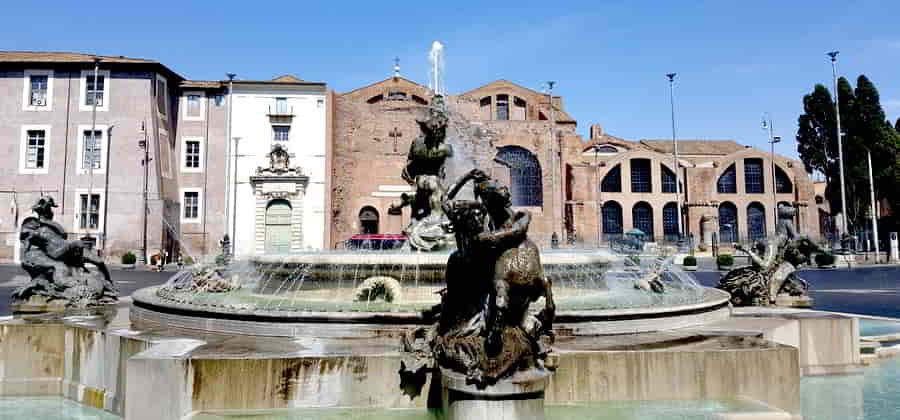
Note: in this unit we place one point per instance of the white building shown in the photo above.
(280, 209)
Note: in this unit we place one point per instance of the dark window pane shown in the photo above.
(728, 228)
(525, 183)
(756, 221)
(753, 176)
(612, 182)
(668, 179)
(640, 176)
(727, 183)
(612, 218)
(502, 107)
(783, 184)
(642, 219)
(670, 221)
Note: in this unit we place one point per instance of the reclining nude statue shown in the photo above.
(774, 266)
(58, 267)
(483, 328)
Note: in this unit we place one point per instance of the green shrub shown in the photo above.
(690, 261)
(725, 260)
(188, 260)
(128, 258)
(634, 259)
(825, 259)
(221, 260)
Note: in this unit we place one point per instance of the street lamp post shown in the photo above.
(837, 112)
(768, 126)
(676, 167)
(874, 209)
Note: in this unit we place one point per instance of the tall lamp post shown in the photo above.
(769, 127)
(837, 112)
(874, 209)
(676, 167)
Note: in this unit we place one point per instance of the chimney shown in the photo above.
(596, 131)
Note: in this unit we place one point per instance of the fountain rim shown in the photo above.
(147, 300)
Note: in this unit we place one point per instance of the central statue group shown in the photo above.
(482, 328)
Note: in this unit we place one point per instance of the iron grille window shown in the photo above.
(642, 218)
(640, 176)
(783, 184)
(192, 154)
(526, 185)
(282, 132)
(668, 179)
(191, 205)
(38, 94)
(612, 182)
(612, 218)
(503, 107)
(89, 211)
(93, 148)
(756, 221)
(34, 154)
(727, 183)
(753, 176)
(94, 92)
(670, 221)
(728, 228)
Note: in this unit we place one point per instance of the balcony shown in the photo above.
(280, 114)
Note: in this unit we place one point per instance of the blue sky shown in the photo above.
(735, 59)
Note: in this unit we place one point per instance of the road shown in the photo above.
(862, 290)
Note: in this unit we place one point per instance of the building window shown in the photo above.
(484, 107)
(525, 182)
(92, 93)
(375, 99)
(783, 184)
(756, 221)
(91, 149)
(419, 100)
(396, 96)
(503, 107)
(162, 100)
(668, 179)
(35, 149)
(193, 107)
(727, 183)
(190, 204)
(89, 211)
(612, 219)
(192, 154)
(281, 106)
(728, 227)
(94, 90)
(606, 150)
(519, 110)
(670, 221)
(640, 176)
(642, 219)
(753, 176)
(282, 132)
(38, 90)
(612, 182)
(219, 100)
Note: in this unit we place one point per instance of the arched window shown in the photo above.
(612, 219)
(606, 149)
(612, 182)
(668, 179)
(728, 227)
(670, 221)
(278, 227)
(503, 107)
(368, 220)
(525, 182)
(756, 221)
(642, 218)
(419, 100)
(375, 99)
(820, 199)
(783, 184)
(753, 176)
(727, 183)
(397, 96)
(640, 176)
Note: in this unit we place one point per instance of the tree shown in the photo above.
(864, 128)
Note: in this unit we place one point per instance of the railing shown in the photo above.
(281, 111)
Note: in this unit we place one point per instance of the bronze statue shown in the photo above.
(425, 171)
(57, 266)
(484, 329)
(774, 266)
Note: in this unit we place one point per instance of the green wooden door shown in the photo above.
(278, 227)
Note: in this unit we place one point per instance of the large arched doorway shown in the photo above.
(612, 220)
(525, 182)
(728, 228)
(642, 219)
(278, 227)
(670, 221)
(756, 221)
(368, 220)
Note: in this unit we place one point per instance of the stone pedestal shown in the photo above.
(517, 398)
